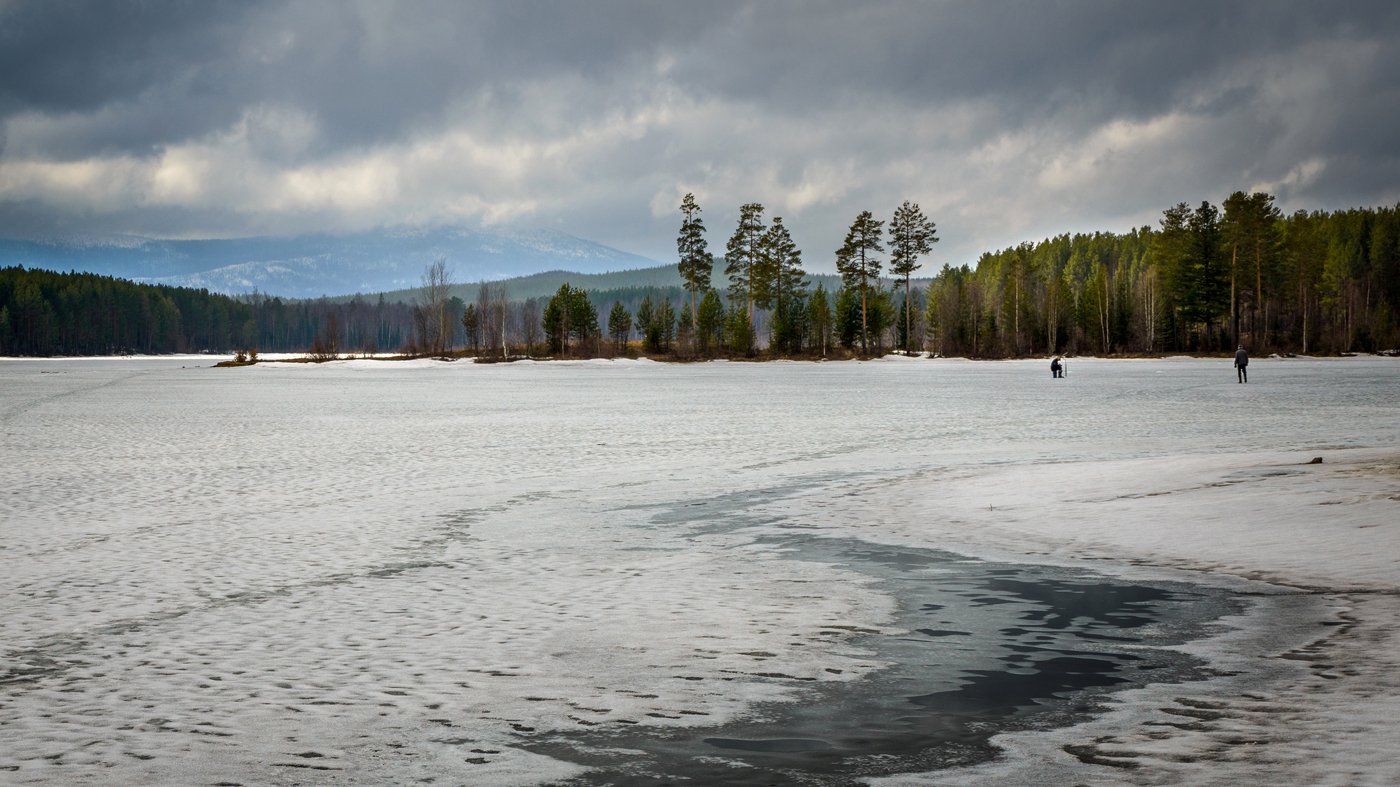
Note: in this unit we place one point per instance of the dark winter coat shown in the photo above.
(1241, 358)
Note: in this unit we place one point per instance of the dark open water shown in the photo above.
(989, 647)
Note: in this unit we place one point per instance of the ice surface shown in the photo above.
(378, 571)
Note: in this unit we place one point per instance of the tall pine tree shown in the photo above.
(741, 257)
(783, 285)
(1251, 231)
(912, 236)
(859, 267)
(695, 264)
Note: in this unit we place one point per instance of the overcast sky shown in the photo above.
(1006, 121)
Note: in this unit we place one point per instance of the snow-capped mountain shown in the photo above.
(308, 266)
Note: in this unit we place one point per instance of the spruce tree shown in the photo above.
(881, 316)
(583, 316)
(789, 325)
(709, 323)
(646, 311)
(557, 318)
(663, 326)
(471, 324)
(848, 317)
(740, 329)
(619, 326)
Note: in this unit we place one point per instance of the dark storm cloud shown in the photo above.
(69, 56)
(166, 71)
(1009, 118)
(1029, 59)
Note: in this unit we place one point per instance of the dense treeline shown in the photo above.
(45, 313)
(1204, 280)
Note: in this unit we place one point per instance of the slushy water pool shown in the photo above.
(980, 648)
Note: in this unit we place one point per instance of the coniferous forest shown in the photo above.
(1204, 279)
(45, 313)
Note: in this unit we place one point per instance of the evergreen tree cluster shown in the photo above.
(769, 296)
(570, 321)
(43, 313)
(1204, 280)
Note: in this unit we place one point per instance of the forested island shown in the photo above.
(1205, 279)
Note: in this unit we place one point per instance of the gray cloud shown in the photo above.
(1006, 120)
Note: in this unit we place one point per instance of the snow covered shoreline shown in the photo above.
(400, 359)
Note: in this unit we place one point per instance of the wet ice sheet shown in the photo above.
(397, 569)
(980, 647)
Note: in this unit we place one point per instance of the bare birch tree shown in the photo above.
(491, 301)
(530, 323)
(435, 325)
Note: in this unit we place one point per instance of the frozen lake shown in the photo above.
(375, 572)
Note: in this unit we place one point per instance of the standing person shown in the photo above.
(1055, 367)
(1242, 361)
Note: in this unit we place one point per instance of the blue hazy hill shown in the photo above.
(307, 266)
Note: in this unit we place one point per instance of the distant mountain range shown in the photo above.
(309, 266)
(542, 285)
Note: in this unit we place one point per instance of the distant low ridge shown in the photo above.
(546, 283)
(309, 266)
